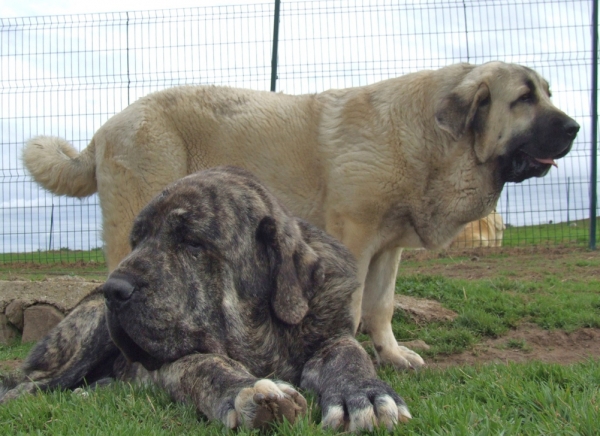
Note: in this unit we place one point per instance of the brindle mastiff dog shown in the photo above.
(222, 289)
(406, 162)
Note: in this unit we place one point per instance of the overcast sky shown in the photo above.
(28, 8)
(332, 48)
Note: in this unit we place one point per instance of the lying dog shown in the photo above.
(223, 287)
(406, 162)
(486, 232)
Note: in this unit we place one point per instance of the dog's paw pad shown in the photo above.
(267, 402)
(401, 358)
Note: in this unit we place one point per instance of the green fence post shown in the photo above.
(594, 159)
(275, 44)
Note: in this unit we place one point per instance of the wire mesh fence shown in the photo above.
(66, 75)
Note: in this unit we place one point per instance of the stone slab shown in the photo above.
(8, 333)
(62, 293)
(422, 310)
(38, 320)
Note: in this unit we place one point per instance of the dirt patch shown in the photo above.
(529, 342)
(10, 365)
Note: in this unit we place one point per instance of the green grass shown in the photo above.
(16, 350)
(64, 255)
(527, 399)
(573, 233)
(41, 264)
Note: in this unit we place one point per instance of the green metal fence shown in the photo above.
(66, 75)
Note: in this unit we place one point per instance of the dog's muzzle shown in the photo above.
(570, 128)
(117, 290)
(532, 153)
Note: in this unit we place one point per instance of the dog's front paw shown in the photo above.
(265, 402)
(364, 406)
(11, 391)
(400, 357)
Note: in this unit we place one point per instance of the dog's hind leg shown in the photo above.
(77, 351)
(136, 163)
(350, 394)
(224, 390)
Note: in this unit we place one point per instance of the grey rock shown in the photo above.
(38, 320)
(422, 310)
(14, 313)
(8, 332)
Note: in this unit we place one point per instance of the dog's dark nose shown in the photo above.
(571, 127)
(118, 289)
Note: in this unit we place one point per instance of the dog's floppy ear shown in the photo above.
(455, 112)
(295, 268)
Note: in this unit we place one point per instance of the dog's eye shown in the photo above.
(526, 98)
(195, 246)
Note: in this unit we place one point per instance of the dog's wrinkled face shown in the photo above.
(209, 255)
(514, 123)
(530, 131)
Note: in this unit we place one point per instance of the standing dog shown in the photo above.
(223, 288)
(406, 162)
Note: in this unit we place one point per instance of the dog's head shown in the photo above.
(507, 109)
(213, 254)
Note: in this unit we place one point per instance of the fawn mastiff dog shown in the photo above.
(406, 162)
(223, 288)
(486, 232)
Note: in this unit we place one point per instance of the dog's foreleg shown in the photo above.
(350, 394)
(224, 390)
(77, 351)
(378, 310)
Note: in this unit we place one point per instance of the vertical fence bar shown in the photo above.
(568, 203)
(127, 54)
(51, 228)
(275, 44)
(466, 31)
(594, 157)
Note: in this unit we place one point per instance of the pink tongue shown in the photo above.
(547, 161)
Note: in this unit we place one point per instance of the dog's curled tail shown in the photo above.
(59, 168)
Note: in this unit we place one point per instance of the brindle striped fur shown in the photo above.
(222, 289)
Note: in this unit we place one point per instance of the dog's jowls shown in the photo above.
(405, 162)
(222, 289)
